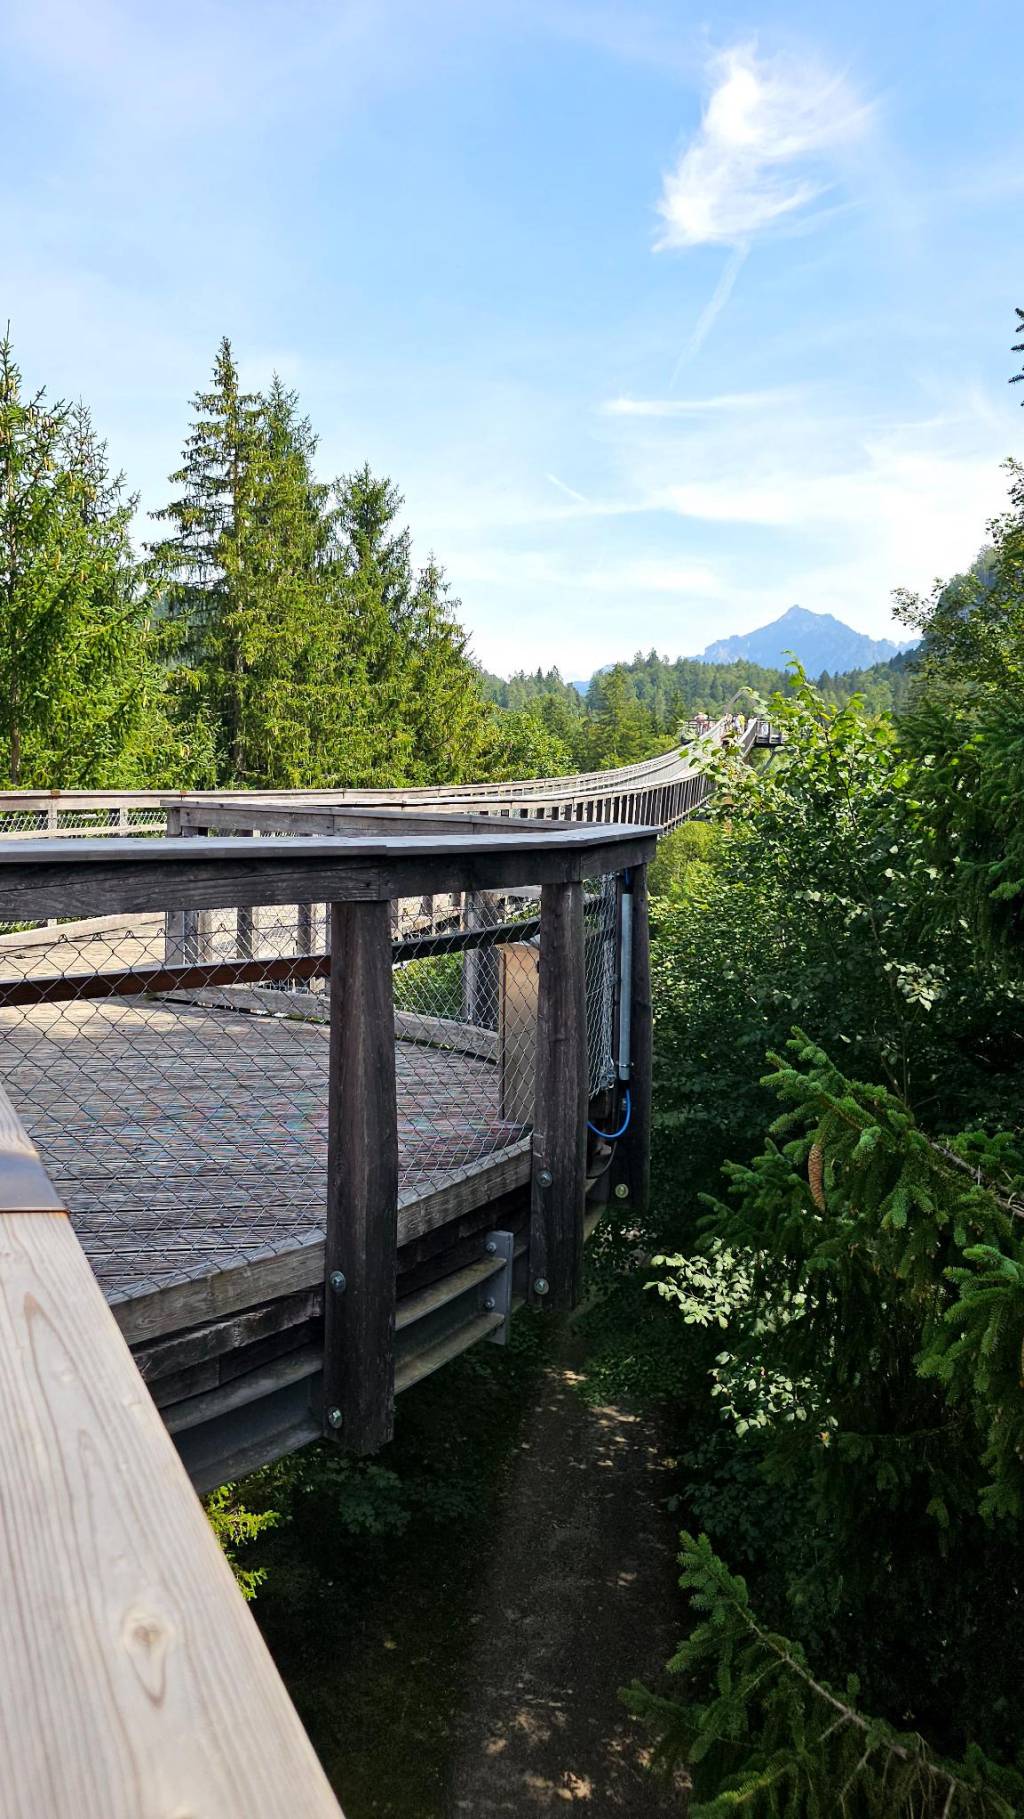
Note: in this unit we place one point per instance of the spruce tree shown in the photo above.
(424, 703)
(444, 698)
(77, 660)
(203, 559)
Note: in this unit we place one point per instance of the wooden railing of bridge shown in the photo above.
(659, 792)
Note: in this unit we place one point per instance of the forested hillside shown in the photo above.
(636, 709)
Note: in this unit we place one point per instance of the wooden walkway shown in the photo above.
(188, 1139)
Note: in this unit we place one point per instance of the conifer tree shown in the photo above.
(204, 557)
(444, 698)
(404, 637)
(77, 668)
(256, 590)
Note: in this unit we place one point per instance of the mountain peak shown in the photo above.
(818, 640)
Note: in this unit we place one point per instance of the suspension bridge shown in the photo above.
(301, 1095)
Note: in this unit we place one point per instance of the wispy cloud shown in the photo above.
(700, 407)
(570, 491)
(765, 148)
(712, 309)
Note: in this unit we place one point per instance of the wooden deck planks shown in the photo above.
(187, 1139)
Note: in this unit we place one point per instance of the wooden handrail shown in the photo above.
(133, 1679)
(94, 877)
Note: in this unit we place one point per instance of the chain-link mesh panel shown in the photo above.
(55, 821)
(185, 1122)
(600, 935)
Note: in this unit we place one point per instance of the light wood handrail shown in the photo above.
(133, 1680)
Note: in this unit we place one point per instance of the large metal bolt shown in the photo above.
(544, 1177)
(334, 1417)
(489, 1304)
(338, 1281)
(540, 1287)
(622, 1191)
(491, 1248)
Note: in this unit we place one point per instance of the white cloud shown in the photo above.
(764, 149)
(699, 407)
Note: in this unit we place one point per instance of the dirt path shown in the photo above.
(579, 1598)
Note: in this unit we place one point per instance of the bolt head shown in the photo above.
(338, 1281)
(541, 1286)
(489, 1304)
(545, 1177)
(621, 1191)
(334, 1417)
(491, 1248)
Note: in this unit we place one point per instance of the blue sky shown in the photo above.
(662, 321)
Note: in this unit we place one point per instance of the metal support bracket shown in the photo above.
(495, 1294)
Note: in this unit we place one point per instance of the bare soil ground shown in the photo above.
(578, 1598)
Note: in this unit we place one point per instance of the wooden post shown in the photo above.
(174, 920)
(304, 928)
(517, 1030)
(362, 1181)
(638, 1145)
(560, 1113)
(245, 920)
(480, 965)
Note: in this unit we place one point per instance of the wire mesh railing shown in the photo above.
(172, 1067)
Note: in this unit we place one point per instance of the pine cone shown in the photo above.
(816, 1176)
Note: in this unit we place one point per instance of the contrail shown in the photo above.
(712, 309)
(573, 494)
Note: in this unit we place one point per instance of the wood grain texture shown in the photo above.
(560, 1115)
(133, 1681)
(362, 1179)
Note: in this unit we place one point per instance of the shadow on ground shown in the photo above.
(578, 1597)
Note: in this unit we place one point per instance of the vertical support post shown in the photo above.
(304, 928)
(480, 965)
(360, 1252)
(196, 925)
(638, 1148)
(245, 921)
(558, 1186)
(174, 920)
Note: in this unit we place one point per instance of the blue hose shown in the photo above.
(613, 1136)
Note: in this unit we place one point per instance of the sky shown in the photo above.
(662, 321)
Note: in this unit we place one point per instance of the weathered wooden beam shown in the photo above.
(560, 1115)
(360, 1251)
(95, 877)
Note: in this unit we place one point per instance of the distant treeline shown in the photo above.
(635, 709)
